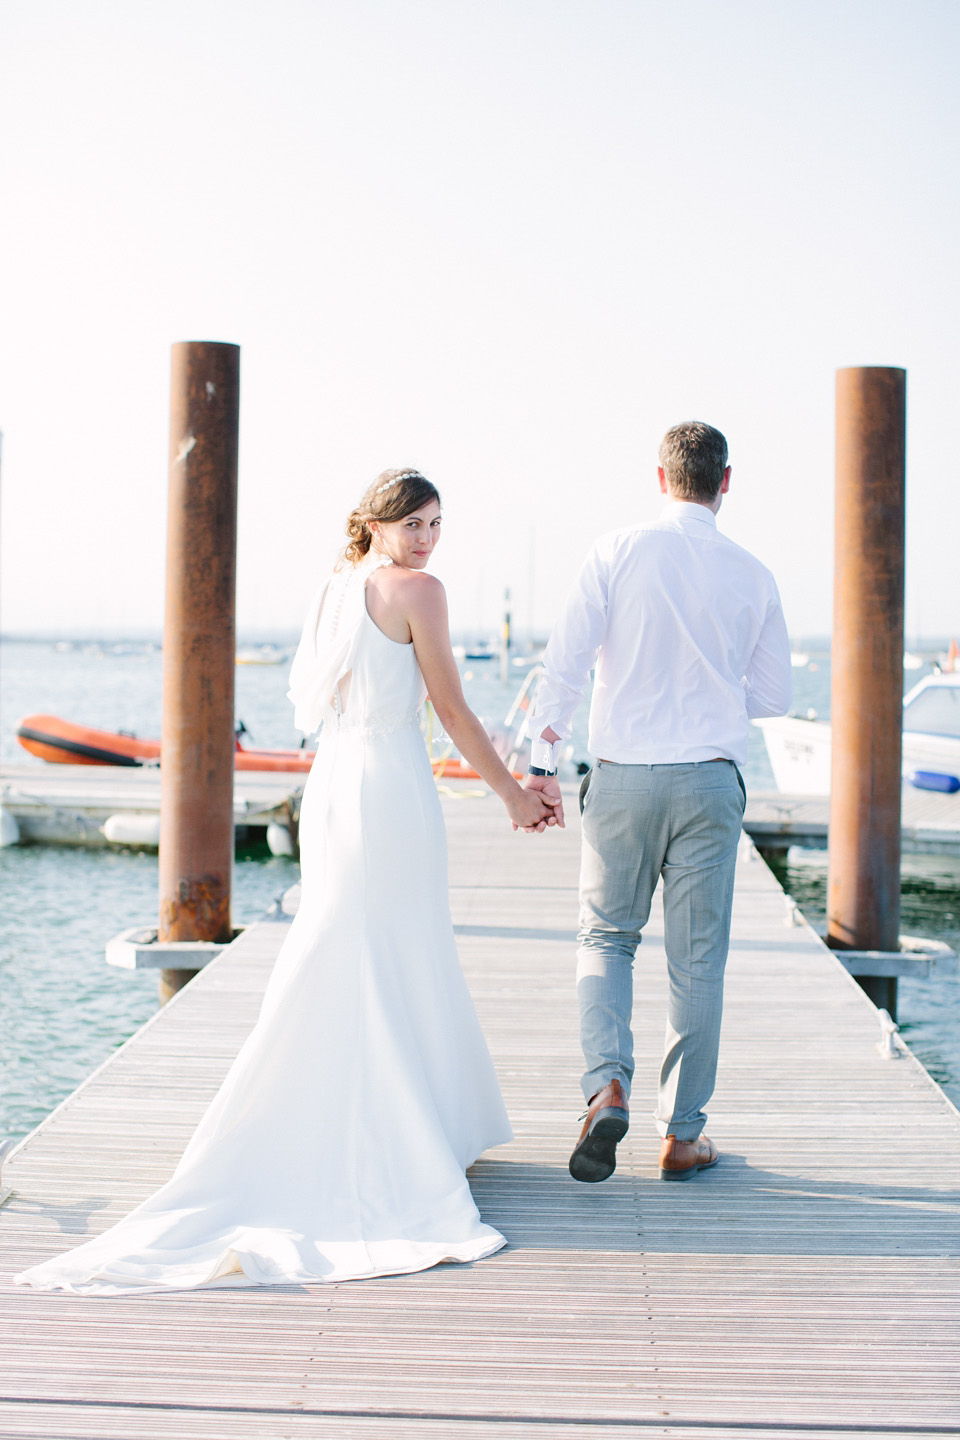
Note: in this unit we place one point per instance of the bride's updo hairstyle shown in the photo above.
(394, 495)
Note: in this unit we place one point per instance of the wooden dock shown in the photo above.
(809, 1286)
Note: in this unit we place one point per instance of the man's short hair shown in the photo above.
(693, 457)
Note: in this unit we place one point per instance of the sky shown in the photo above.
(509, 242)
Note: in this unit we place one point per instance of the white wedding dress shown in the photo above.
(336, 1147)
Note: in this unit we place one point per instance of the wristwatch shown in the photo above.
(543, 757)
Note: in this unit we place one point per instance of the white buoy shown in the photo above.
(279, 839)
(9, 829)
(139, 830)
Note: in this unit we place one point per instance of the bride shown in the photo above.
(336, 1148)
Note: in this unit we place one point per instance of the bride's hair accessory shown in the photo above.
(395, 480)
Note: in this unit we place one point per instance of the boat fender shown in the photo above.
(279, 839)
(9, 829)
(934, 780)
(136, 829)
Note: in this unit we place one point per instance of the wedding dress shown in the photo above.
(336, 1147)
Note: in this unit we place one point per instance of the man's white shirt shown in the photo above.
(688, 638)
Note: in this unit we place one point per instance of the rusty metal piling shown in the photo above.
(863, 888)
(199, 650)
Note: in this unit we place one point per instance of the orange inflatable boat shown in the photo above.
(62, 742)
(454, 767)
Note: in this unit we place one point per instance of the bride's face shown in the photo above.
(410, 541)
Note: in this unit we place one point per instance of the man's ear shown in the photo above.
(663, 480)
(725, 483)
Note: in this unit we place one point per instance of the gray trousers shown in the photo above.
(641, 822)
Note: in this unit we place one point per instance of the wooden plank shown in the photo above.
(807, 1286)
(144, 1423)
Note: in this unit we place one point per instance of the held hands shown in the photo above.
(546, 788)
(529, 811)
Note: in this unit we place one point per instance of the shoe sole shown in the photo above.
(595, 1158)
(689, 1173)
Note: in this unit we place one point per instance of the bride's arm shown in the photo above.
(425, 605)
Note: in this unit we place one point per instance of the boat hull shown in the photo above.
(62, 742)
(800, 754)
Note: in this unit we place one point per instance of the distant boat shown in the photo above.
(799, 659)
(800, 749)
(262, 655)
(912, 661)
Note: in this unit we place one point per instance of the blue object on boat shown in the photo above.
(935, 780)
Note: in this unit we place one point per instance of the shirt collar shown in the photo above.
(689, 510)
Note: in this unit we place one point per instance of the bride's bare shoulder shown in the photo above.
(408, 587)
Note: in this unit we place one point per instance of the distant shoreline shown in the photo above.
(813, 644)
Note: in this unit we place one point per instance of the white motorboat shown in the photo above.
(799, 749)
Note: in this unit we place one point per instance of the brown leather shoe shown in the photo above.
(607, 1121)
(680, 1159)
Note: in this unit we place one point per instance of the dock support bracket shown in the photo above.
(140, 949)
(919, 958)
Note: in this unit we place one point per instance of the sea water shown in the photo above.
(63, 1010)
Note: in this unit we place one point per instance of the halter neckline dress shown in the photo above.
(336, 1148)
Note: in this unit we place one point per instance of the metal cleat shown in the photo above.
(6, 1147)
(888, 1028)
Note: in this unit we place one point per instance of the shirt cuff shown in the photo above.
(539, 723)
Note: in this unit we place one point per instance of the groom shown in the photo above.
(688, 639)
